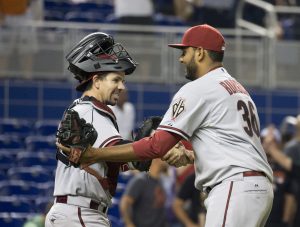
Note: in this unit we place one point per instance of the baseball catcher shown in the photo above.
(100, 65)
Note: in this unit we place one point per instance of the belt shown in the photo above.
(251, 173)
(82, 202)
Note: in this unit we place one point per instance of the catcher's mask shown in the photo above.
(97, 52)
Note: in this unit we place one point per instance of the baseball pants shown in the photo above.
(62, 215)
(239, 202)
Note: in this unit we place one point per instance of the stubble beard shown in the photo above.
(191, 70)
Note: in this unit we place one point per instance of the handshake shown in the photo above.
(179, 156)
(75, 138)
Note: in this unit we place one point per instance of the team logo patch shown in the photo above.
(178, 108)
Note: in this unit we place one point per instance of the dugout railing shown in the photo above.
(281, 56)
(37, 50)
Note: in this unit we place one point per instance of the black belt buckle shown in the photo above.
(104, 210)
(95, 206)
(207, 190)
(62, 199)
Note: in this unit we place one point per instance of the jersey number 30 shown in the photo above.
(249, 117)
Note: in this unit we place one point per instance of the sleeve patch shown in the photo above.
(178, 108)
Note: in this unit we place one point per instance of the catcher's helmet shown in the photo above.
(97, 52)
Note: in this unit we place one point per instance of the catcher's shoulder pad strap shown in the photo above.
(72, 159)
(102, 109)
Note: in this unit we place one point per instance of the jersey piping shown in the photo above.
(174, 130)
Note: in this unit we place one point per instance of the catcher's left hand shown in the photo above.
(148, 126)
(74, 133)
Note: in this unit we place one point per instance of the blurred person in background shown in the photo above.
(134, 11)
(292, 149)
(292, 146)
(17, 38)
(188, 204)
(287, 129)
(125, 115)
(282, 212)
(165, 7)
(172, 180)
(165, 177)
(168, 7)
(286, 162)
(290, 130)
(210, 12)
(143, 202)
(169, 181)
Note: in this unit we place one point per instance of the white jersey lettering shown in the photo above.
(233, 87)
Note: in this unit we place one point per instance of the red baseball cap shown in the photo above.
(204, 36)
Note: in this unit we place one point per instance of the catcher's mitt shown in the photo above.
(145, 130)
(75, 133)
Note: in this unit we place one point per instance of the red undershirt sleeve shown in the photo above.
(187, 144)
(155, 146)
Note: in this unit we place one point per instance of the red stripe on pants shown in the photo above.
(80, 218)
(227, 203)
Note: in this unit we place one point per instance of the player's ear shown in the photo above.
(199, 53)
(96, 81)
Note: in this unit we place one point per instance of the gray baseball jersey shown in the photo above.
(76, 181)
(220, 119)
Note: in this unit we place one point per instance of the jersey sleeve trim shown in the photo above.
(110, 140)
(174, 130)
